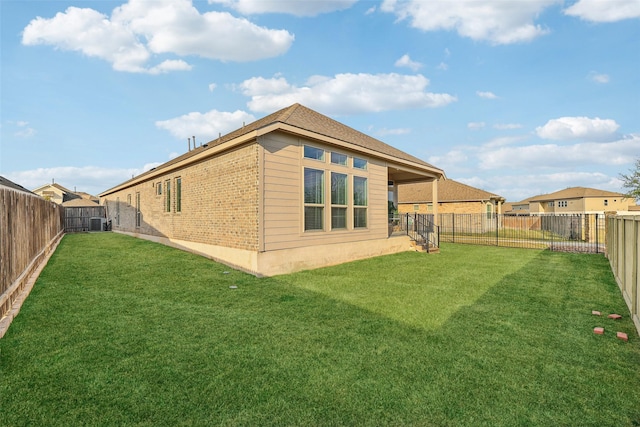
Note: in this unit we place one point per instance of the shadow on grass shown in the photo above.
(153, 336)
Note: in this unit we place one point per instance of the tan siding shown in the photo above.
(283, 212)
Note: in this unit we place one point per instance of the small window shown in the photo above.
(138, 215)
(313, 153)
(416, 208)
(129, 199)
(178, 194)
(167, 196)
(429, 207)
(339, 159)
(359, 163)
(158, 189)
(606, 203)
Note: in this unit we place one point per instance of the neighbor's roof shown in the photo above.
(448, 191)
(305, 119)
(575, 193)
(80, 203)
(6, 183)
(55, 185)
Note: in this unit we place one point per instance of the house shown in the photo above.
(580, 200)
(517, 208)
(452, 197)
(4, 182)
(294, 190)
(55, 193)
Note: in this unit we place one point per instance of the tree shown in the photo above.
(632, 181)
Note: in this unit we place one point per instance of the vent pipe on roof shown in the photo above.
(194, 142)
(189, 139)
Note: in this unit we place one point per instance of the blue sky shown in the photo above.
(518, 98)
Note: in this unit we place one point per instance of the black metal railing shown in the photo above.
(567, 233)
(419, 227)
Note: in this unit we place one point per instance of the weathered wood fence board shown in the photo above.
(623, 252)
(29, 225)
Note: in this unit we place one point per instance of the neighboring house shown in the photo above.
(517, 208)
(291, 191)
(10, 184)
(80, 202)
(452, 197)
(580, 200)
(55, 193)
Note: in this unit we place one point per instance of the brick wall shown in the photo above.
(219, 202)
(454, 207)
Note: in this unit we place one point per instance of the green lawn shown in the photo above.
(121, 331)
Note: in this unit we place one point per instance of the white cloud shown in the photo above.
(452, 160)
(486, 95)
(598, 78)
(405, 61)
(566, 128)
(397, 131)
(604, 11)
(291, 7)
(205, 126)
(90, 179)
(544, 156)
(24, 130)
(212, 87)
(507, 126)
(443, 66)
(345, 93)
(140, 30)
(476, 125)
(502, 22)
(371, 10)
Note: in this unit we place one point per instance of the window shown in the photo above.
(178, 194)
(158, 189)
(117, 210)
(129, 199)
(338, 200)
(313, 199)
(359, 163)
(138, 209)
(167, 196)
(489, 211)
(359, 202)
(416, 208)
(313, 153)
(429, 207)
(339, 159)
(550, 204)
(606, 203)
(562, 204)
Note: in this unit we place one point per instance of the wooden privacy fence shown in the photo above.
(29, 228)
(89, 218)
(623, 252)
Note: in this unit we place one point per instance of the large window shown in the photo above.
(338, 200)
(360, 202)
(178, 194)
(313, 199)
(167, 196)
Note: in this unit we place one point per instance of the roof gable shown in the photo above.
(305, 119)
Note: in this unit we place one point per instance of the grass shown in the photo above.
(120, 331)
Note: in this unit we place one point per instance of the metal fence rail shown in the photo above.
(566, 233)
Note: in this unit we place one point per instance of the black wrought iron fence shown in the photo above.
(567, 233)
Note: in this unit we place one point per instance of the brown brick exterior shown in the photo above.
(475, 207)
(219, 203)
